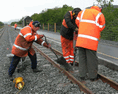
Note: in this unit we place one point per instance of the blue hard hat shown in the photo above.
(36, 24)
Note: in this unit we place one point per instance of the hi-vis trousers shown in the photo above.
(88, 63)
(67, 49)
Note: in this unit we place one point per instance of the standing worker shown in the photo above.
(15, 25)
(23, 47)
(67, 29)
(90, 22)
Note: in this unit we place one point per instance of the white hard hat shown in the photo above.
(97, 4)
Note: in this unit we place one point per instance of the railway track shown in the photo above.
(71, 77)
(1, 32)
(45, 61)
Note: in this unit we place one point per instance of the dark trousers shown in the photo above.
(88, 63)
(16, 59)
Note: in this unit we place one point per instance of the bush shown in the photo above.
(111, 30)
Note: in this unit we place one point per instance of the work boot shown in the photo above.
(76, 64)
(36, 70)
(82, 78)
(68, 67)
(71, 64)
(95, 79)
(10, 78)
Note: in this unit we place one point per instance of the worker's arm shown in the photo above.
(43, 43)
(102, 22)
(67, 18)
(28, 36)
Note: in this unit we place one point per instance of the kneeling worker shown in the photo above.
(23, 47)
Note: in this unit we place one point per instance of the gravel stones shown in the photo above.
(50, 80)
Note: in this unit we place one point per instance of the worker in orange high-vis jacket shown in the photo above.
(90, 22)
(23, 47)
(67, 29)
(15, 25)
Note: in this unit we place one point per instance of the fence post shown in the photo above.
(48, 26)
(55, 27)
(43, 26)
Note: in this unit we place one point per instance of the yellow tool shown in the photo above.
(19, 84)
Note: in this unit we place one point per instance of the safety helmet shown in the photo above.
(36, 24)
(98, 5)
(75, 11)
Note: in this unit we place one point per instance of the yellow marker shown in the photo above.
(19, 84)
(108, 55)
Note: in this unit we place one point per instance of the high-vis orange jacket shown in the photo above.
(90, 22)
(15, 25)
(68, 26)
(24, 40)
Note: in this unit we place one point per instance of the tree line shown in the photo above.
(56, 15)
(111, 17)
(1, 23)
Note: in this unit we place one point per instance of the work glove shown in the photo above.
(47, 45)
(76, 30)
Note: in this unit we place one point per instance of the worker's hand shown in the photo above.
(76, 30)
(40, 36)
(47, 45)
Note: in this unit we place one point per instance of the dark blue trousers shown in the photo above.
(16, 59)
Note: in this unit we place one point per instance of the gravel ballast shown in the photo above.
(50, 80)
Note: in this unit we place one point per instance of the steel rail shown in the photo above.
(1, 33)
(70, 77)
(103, 78)
(108, 81)
(86, 90)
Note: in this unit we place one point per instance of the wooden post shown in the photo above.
(43, 26)
(48, 26)
(55, 27)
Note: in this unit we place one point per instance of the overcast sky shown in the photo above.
(16, 9)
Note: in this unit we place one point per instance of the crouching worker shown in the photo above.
(23, 47)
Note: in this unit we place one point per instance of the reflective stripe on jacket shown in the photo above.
(64, 22)
(90, 22)
(23, 42)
